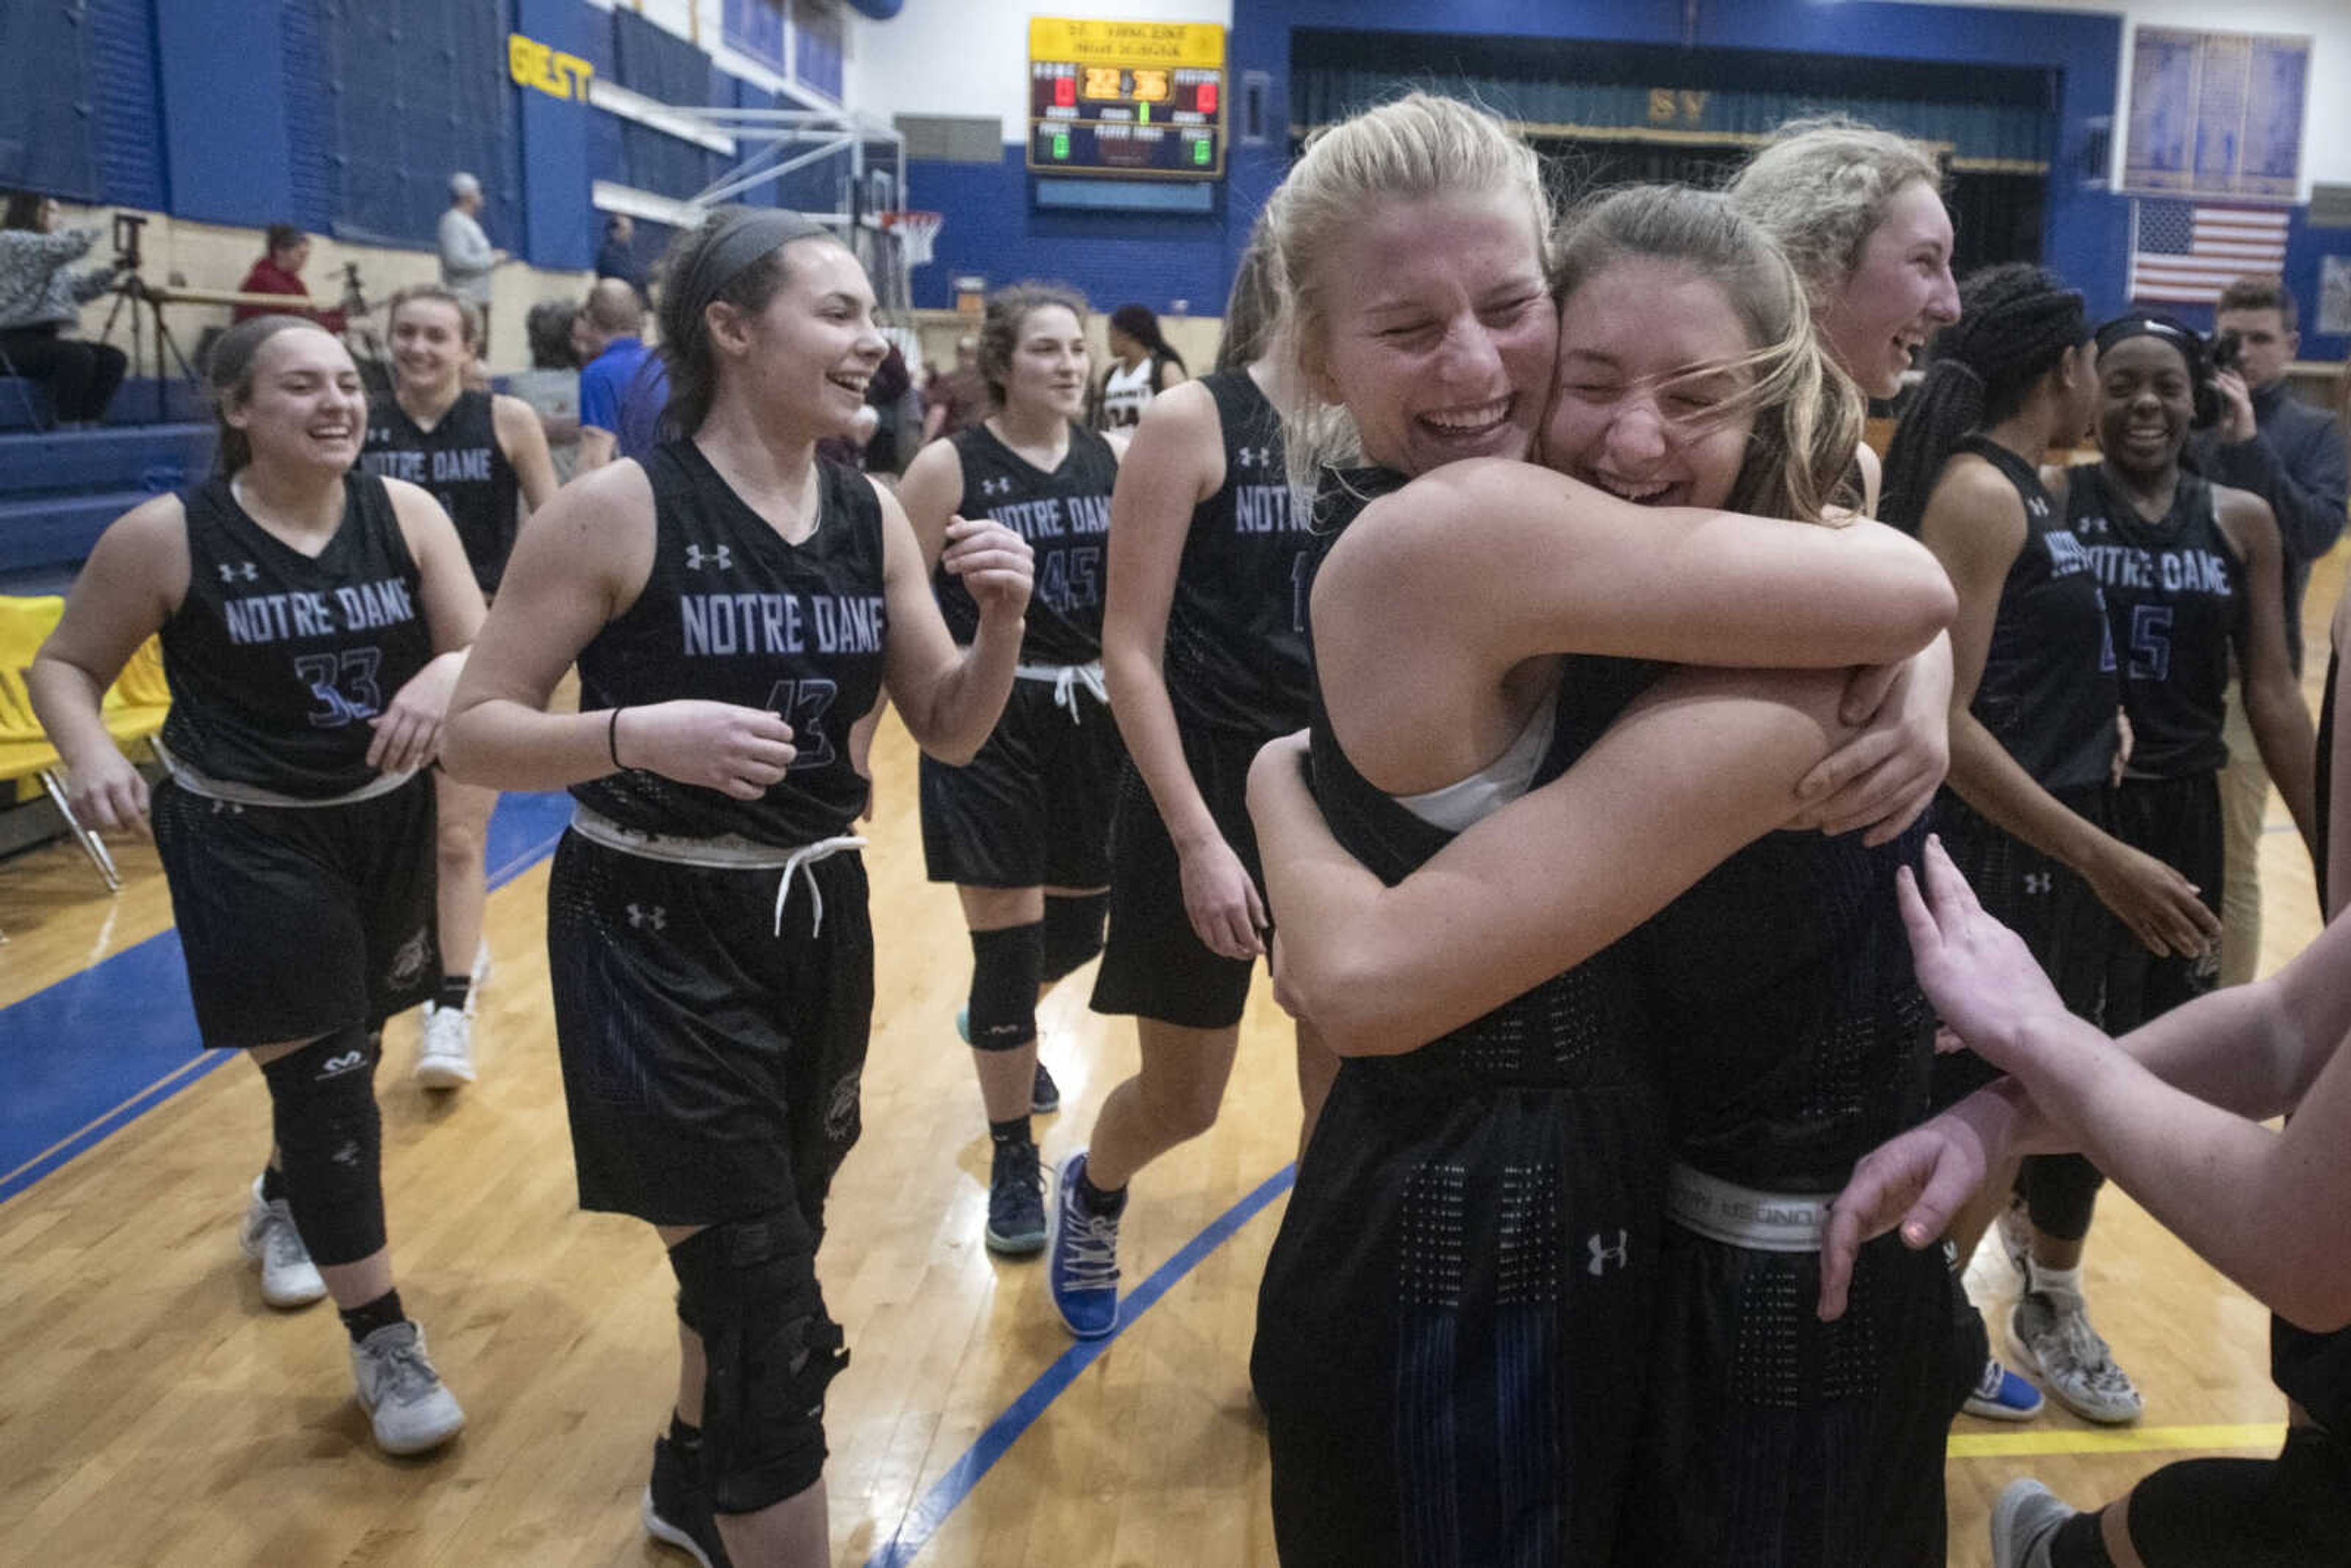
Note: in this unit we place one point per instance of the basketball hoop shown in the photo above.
(916, 232)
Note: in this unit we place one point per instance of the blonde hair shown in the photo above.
(1807, 415)
(469, 327)
(1822, 186)
(1418, 149)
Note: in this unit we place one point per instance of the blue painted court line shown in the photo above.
(85, 1057)
(947, 1493)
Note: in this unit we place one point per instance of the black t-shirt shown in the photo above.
(461, 461)
(2049, 689)
(1236, 657)
(277, 660)
(733, 613)
(1065, 517)
(2176, 599)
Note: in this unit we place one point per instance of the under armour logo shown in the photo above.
(995, 487)
(336, 1066)
(641, 916)
(719, 559)
(1254, 457)
(2036, 882)
(1604, 1256)
(2037, 507)
(245, 572)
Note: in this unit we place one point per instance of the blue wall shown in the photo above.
(2086, 230)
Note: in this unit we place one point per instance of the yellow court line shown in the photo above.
(2130, 1440)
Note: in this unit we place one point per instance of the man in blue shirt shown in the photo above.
(2291, 455)
(605, 333)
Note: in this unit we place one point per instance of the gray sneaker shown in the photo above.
(2024, 1522)
(288, 1278)
(402, 1394)
(2053, 1333)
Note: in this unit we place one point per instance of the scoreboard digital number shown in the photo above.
(1131, 100)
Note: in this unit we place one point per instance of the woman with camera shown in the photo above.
(40, 297)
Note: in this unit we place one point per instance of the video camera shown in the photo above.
(2228, 350)
(127, 227)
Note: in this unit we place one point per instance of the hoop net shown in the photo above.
(916, 232)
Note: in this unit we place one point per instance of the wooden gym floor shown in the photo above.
(153, 1410)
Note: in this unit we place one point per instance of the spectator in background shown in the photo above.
(616, 258)
(551, 385)
(279, 271)
(466, 256)
(2291, 455)
(605, 336)
(1142, 365)
(40, 298)
(957, 398)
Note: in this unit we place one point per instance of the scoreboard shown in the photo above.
(1131, 100)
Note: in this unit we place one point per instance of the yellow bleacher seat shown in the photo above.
(25, 750)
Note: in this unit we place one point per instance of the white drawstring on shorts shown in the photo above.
(728, 852)
(1067, 679)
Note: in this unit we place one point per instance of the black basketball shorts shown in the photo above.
(710, 1066)
(1034, 807)
(296, 921)
(1154, 964)
(2177, 820)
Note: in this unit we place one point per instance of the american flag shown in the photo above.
(2188, 252)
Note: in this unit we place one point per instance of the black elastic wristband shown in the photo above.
(612, 737)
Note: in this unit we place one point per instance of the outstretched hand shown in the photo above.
(1982, 980)
(1919, 1181)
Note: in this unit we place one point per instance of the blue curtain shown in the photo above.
(49, 140)
(415, 91)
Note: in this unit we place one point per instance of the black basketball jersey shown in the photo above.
(277, 660)
(1065, 517)
(1789, 1025)
(1236, 656)
(2049, 689)
(2315, 1369)
(2176, 599)
(732, 613)
(461, 461)
(1581, 1028)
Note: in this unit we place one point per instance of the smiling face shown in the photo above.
(2145, 404)
(1647, 352)
(428, 344)
(1898, 293)
(305, 408)
(1439, 333)
(1047, 374)
(806, 358)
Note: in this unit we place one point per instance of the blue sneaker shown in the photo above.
(1082, 1270)
(2002, 1395)
(1016, 1202)
(1044, 1095)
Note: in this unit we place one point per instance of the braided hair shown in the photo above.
(2017, 322)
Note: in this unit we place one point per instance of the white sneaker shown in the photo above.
(288, 1278)
(446, 1058)
(2024, 1519)
(402, 1394)
(2052, 1330)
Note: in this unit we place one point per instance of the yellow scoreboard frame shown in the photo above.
(1125, 100)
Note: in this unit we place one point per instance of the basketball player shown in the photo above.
(1024, 830)
(2033, 725)
(735, 606)
(1204, 643)
(314, 620)
(1860, 214)
(474, 452)
(2174, 1113)
(1453, 1327)
(1142, 364)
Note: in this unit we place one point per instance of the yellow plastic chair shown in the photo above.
(25, 750)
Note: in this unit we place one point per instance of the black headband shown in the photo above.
(758, 232)
(2178, 333)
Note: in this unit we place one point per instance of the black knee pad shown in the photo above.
(2060, 1191)
(771, 1352)
(1073, 931)
(1007, 967)
(331, 1144)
